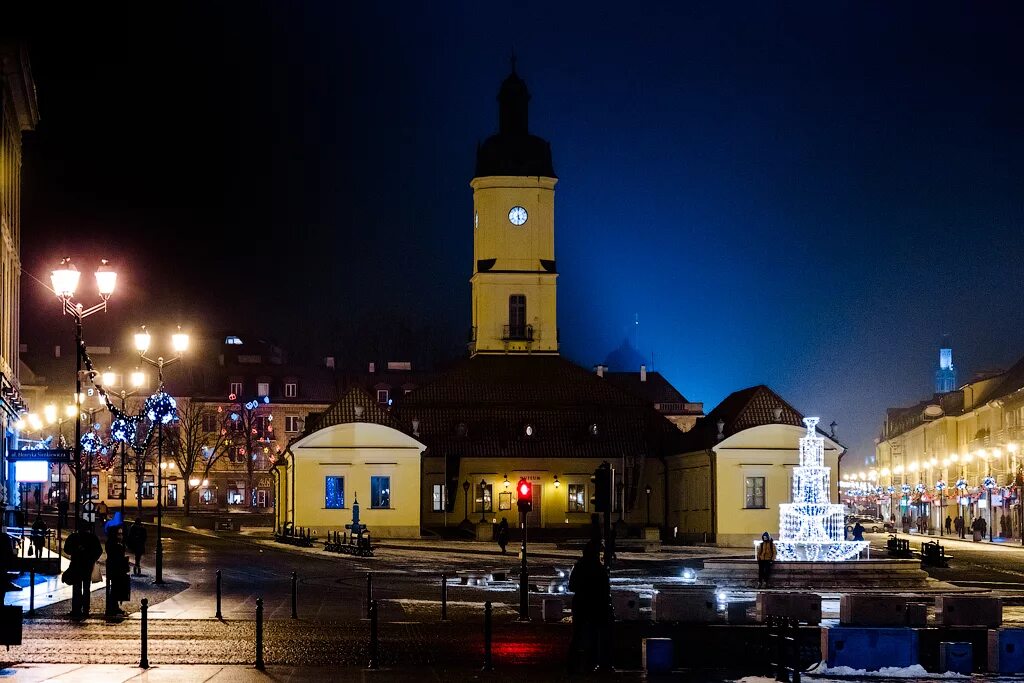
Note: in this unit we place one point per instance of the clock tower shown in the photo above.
(514, 235)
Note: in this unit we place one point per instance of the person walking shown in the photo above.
(39, 531)
(949, 523)
(136, 544)
(858, 531)
(503, 534)
(83, 549)
(959, 524)
(118, 582)
(765, 559)
(591, 610)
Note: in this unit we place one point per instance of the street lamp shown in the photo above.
(179, 342)
(65, 279)
(138, 378)
(465, 501)
(647, 490)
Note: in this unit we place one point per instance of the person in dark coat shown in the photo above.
(118, 582)
(39, 530)
(949, 523)
(591, 610)
(136, 543)
(503, 534)
(84, 549)
(858, 531)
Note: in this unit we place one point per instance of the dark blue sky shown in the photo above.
(807, 197)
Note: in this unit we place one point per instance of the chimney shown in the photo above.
(56, 351)
(599, 369)
(415, 427)
(373, 368)
(329, 362)
(777, 413)
(358, 411)
(721, 429)
(643, 373)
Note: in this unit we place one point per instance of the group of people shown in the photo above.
(978, 526)
(84, 550)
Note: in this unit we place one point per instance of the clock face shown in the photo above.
(517, 215)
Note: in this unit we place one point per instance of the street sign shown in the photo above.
(57, 455)
(89, 506)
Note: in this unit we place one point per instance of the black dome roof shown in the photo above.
(513, 151)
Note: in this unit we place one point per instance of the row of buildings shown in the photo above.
(430, 450)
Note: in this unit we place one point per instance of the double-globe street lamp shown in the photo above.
(138, 378)
(65, 281)
(179, 342)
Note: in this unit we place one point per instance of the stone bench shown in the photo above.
(886, 574)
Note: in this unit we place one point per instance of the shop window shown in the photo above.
(380, 492)
(334, 498)
(753, 498)
(438, 498)
(484, 501)
(577, 498)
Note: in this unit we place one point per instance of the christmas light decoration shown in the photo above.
(920, 488)
(160, 407)
(91, 443)
(905, 488)
(961, 484)
(122, 430)
(811, 527)
(940, 486)
(891, 489)
(989, 482)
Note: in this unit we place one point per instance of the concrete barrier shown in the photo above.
(872, 610)
(869, 648)
(956, 658)
(969, 610)
(658, 655)
(626, 605)
(692, 606)
(805, 607)
(1006, 651)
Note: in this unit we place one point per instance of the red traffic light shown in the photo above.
(524, 488)
(525, 491)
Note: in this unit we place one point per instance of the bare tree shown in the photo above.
(248, 430)
(195, 450)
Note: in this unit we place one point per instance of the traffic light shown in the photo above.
(524, 495)
(602, 480)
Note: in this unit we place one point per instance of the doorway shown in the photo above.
(535, 517)
(172, 495)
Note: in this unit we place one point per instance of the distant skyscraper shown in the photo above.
(945, 376)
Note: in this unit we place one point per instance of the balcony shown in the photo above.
(517, 333)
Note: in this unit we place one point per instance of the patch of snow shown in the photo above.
(915, 671)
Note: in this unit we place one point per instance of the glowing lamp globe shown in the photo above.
(106, 279)
(138, 378)
(109, 378)
(142, 340)
(65, 279)
(70, 411)
(180, 341)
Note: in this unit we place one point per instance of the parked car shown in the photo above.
(870, 524)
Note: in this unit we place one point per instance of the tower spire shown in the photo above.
(512, 59)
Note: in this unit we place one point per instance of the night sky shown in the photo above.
(805, 197)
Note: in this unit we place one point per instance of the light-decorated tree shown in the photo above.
(249, 432)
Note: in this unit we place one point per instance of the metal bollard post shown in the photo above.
(295, 609)
(374, 645)
(369, 592)
(144, 662)
(32, 593)
(259, 634)
(444, 597)
(219, 615)
(488, 664)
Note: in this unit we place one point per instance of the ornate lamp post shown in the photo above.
(65, 281)
(647, 490)
(179, 342)
(465, 501)
(483, 501)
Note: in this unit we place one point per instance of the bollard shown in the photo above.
(374, 652)
(369, 592)
(144, 662)
(32, 593)
(488, 664)
(444, 597)
(295, 609)
(259, 634)
(219, 615)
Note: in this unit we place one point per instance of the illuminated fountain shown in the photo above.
(811, 527)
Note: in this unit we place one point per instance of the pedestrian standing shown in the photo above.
(39, 531)
(858, 531)
(136, 543)
(949, 523)
(118, 583)
(503, 534)
(591, 610)
(83, 549)
(765, 559)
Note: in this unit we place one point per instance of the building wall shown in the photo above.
(357, 451)
(690, 502)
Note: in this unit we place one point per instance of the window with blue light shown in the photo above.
(334, 493)
(380, 492)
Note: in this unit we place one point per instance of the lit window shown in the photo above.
(236, 495)
(291, 423)
(334, 492)
(754, 493)
(438, 498)
(382, 396)
(263, 389)
(291, 390)
(236, 389)
(208, 496)
(577, 498)
(529, 430)
(484, 501)
(380, 492)
(232, 340)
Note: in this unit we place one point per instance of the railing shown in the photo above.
(517, 333)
